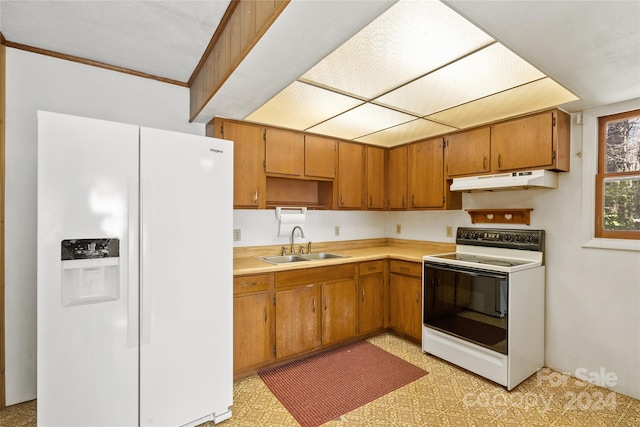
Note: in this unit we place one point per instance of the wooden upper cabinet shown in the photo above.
(426, 174)
(468, 153)
(249, 181)
(375, 178)
(537, 141)
(397, 178)
(351, 175)
(284, 152)
(320, 156)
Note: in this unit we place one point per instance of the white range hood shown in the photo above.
(507, 181)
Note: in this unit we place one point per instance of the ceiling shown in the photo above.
(331, 67)
(159, 38)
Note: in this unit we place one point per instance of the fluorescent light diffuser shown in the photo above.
(407, 132)
(538, 95)
(491, 70)
(360, 121)
(407, 41)
(300, 106)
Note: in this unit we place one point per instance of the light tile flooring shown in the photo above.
(447, 396)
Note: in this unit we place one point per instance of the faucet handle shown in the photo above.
(301, 250)
(284, 251)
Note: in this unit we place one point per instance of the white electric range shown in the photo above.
(483, 305)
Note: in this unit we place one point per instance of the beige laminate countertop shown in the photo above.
(354, 251)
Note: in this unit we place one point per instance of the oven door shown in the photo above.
(468, 303)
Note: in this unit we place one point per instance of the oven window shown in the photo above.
(467, 303)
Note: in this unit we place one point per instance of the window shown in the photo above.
(618, 178)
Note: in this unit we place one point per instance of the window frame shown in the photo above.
(602, 175)
(584, 140)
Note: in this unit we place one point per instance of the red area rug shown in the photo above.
(320, 388)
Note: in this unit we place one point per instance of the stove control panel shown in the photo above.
(530, 240)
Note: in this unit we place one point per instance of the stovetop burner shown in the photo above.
(503, 250)
(503, 262)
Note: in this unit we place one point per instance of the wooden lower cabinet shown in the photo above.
(291, 313)
(251, 333)
(371, 297)
(314, 307)
(297, 320)
(339, 311)
(405, 298)
(252, 321)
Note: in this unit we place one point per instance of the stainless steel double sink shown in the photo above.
(287, 259)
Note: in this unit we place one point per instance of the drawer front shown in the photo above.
(252, 283)
(314, 275)
(406, 267)
(371, 267)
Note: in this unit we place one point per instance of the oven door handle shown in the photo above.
(466, 270)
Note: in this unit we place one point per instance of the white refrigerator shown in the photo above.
(134, 275)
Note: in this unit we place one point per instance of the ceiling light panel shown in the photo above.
(361, 121)
(409, 40)
(300, 106)
(538, 95)
(483, 73)
(407, 132)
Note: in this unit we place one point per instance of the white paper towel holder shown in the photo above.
(290, 217)
(286, 211)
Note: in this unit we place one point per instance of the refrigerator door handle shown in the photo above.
(132, 260)
(145, 261)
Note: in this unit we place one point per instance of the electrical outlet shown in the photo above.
(237, 235)
(398, 228)
(336, 230)
(449, 231)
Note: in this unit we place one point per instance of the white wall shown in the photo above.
(39, 82)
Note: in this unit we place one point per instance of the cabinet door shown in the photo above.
(397, 178)
(251, 331)
(523, 143)
(297, 320)
(249, 181)
(284, 152)
(320, 156)
(468, 153)
(405, 309)
(370, 303)
(375, 177)
(426, 175)
(339, 311)
(351, 175)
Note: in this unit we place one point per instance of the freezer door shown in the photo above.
(87, 273)
(186, 319)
